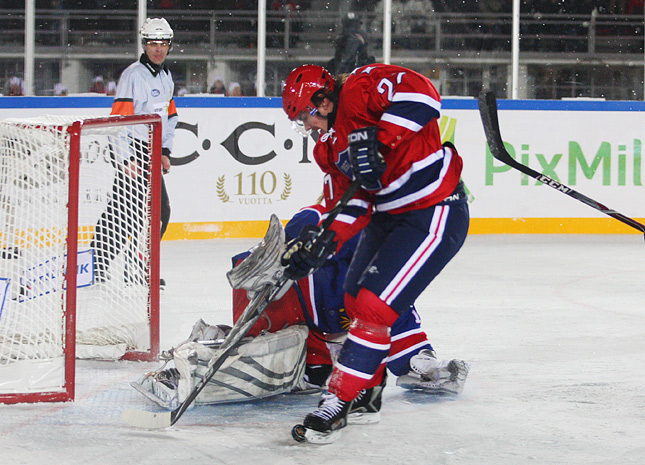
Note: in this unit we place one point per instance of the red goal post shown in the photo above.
(79, 248)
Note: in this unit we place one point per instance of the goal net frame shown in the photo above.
(69, 290)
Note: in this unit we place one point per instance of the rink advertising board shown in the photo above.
(236, 160)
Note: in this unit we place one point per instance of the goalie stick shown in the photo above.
(252, 312)
(488, 113)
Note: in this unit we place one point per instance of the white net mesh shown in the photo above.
(113, 271)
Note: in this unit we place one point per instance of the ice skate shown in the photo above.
(160, 387)
(323, 425)
(366, 408)
(434, 376)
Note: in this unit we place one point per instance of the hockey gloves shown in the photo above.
(366, 161)
(308, 252)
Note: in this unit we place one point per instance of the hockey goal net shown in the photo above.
(79, 248)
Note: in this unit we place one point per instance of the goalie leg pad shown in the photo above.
(263, 366)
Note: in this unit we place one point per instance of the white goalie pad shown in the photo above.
(264, 366)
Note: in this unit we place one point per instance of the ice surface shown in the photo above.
(554, 327)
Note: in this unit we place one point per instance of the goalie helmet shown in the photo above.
(301, 85)
(156, 29)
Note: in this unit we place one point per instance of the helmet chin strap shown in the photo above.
(331, 116)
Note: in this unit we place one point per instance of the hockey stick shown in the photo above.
(342, 203)
(488, 113)
(252, 312)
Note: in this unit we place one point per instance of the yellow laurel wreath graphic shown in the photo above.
(287, 187)
(221, 193)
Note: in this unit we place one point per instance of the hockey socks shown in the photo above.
(358, 376)
(365, 349)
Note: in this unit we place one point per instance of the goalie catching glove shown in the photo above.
(365, 159)
(308, 252)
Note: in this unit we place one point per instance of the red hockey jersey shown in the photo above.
(405, 106)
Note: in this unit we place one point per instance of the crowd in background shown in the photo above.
(219, 88)
(412, 28)
(15, 87)
(249, 5)
(574, 7)
(99, 87)
(632, 7)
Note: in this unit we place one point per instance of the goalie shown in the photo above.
(293, 345)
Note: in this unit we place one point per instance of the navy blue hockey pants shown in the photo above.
(398, 255)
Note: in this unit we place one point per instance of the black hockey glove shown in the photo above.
(367, 163)
(308, 252)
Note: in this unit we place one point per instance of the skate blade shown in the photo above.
(363, 418)
(428, 388)
(316, 437)
(302, 434)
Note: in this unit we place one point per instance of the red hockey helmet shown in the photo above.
(301, 84)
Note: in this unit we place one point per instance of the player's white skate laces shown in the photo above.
(434, 376)
(323, 425)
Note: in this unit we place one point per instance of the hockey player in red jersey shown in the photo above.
(378, 127)
(317, 301)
